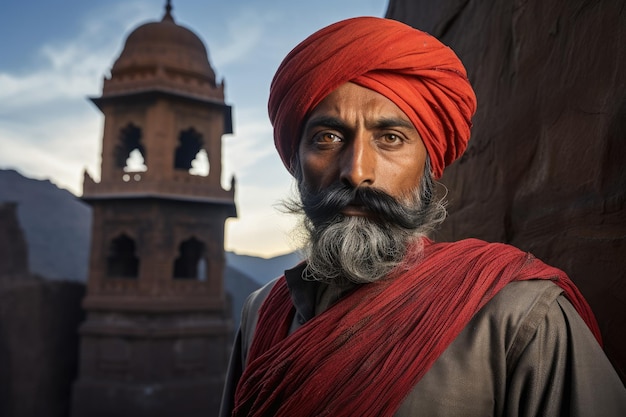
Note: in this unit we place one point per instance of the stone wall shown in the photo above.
(13, 248)
(544, 170)
(38, 346)
(38, 331)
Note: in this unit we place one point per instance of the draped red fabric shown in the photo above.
(336, 364)
(423, 77)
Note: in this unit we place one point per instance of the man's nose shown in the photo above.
(358, 163)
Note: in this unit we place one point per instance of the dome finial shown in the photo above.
(168, 11)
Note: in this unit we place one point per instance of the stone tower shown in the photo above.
(158, 329)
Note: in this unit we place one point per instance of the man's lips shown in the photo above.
(355, 209)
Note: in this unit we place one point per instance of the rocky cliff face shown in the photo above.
(544, 170)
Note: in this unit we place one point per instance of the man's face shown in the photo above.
(360, 138)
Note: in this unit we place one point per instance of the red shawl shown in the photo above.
(362, 356)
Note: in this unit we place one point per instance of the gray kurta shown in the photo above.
(526, 353)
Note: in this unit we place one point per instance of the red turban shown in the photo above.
(423, 77)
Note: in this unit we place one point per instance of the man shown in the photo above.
(379, 320)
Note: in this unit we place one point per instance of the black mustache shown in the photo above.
(323, 207)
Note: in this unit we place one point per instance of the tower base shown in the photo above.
(139, 365)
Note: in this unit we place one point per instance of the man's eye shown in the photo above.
(391, 138)
(327, 137)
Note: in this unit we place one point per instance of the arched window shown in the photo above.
(130, 153)
(191, 263)
(122, 261)
(135, 162)
(190, 155)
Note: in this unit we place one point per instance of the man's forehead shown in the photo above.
(352, 100)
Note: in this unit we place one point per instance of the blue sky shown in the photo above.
(53, 55)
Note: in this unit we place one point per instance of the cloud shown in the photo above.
(47, 129)
(242, 35)
(57, 150)
(70, 68)
(261, 228)
(42, 86)
(251, 143)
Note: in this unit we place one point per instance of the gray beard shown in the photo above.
(355, 249)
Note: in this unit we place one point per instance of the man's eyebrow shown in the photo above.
(336, 123)
(389, 122)
(326, 121)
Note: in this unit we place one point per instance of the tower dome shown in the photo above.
(161, 55)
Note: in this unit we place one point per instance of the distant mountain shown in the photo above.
(57, 226)
(244, 274)
(263, 270)
(238, 286)
(56, 223)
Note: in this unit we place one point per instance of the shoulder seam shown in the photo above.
(529, 326)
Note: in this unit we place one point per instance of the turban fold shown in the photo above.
(423, 77)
